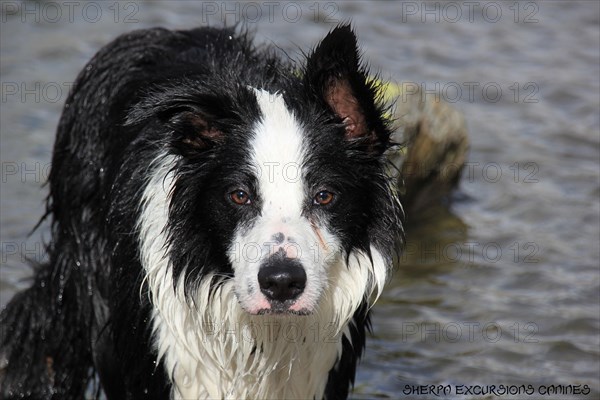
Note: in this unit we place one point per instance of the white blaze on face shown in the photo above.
(277, 153)
(278, 156)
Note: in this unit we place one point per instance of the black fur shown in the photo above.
(185, 93)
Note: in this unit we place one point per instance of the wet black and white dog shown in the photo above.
(221, 220)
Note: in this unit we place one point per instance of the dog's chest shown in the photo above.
(250, 358)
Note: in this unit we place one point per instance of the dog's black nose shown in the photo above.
(282, 280)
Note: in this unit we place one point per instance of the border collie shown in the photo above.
(221, 223)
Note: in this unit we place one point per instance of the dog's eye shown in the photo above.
(323, 198)
(240, 197)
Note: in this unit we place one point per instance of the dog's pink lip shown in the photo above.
(257, 308)
(299, 306)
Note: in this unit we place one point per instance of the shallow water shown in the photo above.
(502, 286)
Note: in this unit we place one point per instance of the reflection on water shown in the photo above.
(501, 286)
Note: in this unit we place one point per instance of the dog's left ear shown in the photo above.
(334, 71)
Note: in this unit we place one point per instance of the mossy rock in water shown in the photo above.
(435, 146)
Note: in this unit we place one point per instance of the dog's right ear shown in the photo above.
(191, 126)
(194, 130)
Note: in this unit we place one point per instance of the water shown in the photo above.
(502, 286)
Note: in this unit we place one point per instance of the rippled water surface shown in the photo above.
(501, 286)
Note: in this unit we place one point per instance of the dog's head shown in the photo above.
(276, 180)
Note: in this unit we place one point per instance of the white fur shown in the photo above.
(211, 347)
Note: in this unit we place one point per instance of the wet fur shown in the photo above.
(139, 150)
